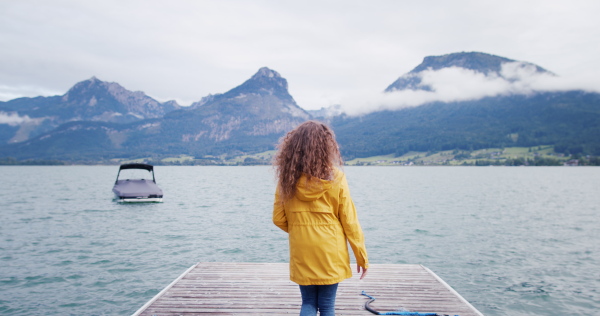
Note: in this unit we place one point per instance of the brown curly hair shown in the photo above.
(310, 148)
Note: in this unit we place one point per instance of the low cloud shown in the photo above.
(459, 84)
(13, 119)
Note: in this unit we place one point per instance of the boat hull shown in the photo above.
(139, 200)
(137, 191)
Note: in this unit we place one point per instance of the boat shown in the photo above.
(137, 190)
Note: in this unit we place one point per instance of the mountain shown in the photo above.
(264, 96)
(110, 102)
(249, 118)
(568, 120)
(89, 100)
(478, 62)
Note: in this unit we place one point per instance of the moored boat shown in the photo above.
(137, 190)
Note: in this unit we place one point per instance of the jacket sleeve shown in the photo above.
(279, 218)
(349, 219)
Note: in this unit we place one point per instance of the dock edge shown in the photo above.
(452, 290)
(157, 296)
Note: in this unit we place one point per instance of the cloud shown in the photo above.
(13, 119)
(325, 50)
(459, 84)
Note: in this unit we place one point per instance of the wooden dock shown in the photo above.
(216, 288)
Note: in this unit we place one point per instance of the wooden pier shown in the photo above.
(216, 288)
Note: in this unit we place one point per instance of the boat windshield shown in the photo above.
(135, 174)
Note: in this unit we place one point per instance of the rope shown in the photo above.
(368, 307)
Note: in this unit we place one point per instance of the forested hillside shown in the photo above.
(570, 121)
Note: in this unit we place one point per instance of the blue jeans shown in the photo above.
(318, 298)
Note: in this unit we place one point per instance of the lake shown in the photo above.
(510, 240)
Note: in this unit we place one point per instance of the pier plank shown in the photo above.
(217, 288)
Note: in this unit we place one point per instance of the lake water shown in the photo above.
(511, 240)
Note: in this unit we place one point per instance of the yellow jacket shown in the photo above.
(321, 219)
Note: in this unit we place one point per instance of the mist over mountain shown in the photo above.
(456, 77)
(472, 101)
(568, 120)
(469, 101)
(462, 101)
(476, 62)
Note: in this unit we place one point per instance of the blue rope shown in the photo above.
(393, 313)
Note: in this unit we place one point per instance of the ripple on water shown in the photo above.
(10, 281)
(105, 284)
(122, 270)
(142, 294)
(70, 305)
(42, 280)
(63, 263)
(539, 287)
(101, 262)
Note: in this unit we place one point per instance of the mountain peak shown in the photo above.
(264, 96)
(97, 100)
(263, 82)
(475, 61)
(93, 81)
(267, 73)
(91, 86)
(268, 79)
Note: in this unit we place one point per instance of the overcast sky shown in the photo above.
(329, 51)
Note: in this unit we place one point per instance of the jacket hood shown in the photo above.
(312, 190)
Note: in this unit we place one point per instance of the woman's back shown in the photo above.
(313, 204)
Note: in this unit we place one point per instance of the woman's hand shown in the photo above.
(364, 271)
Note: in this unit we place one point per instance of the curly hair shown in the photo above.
(311, 149)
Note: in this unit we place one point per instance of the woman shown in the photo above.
(313, 205)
